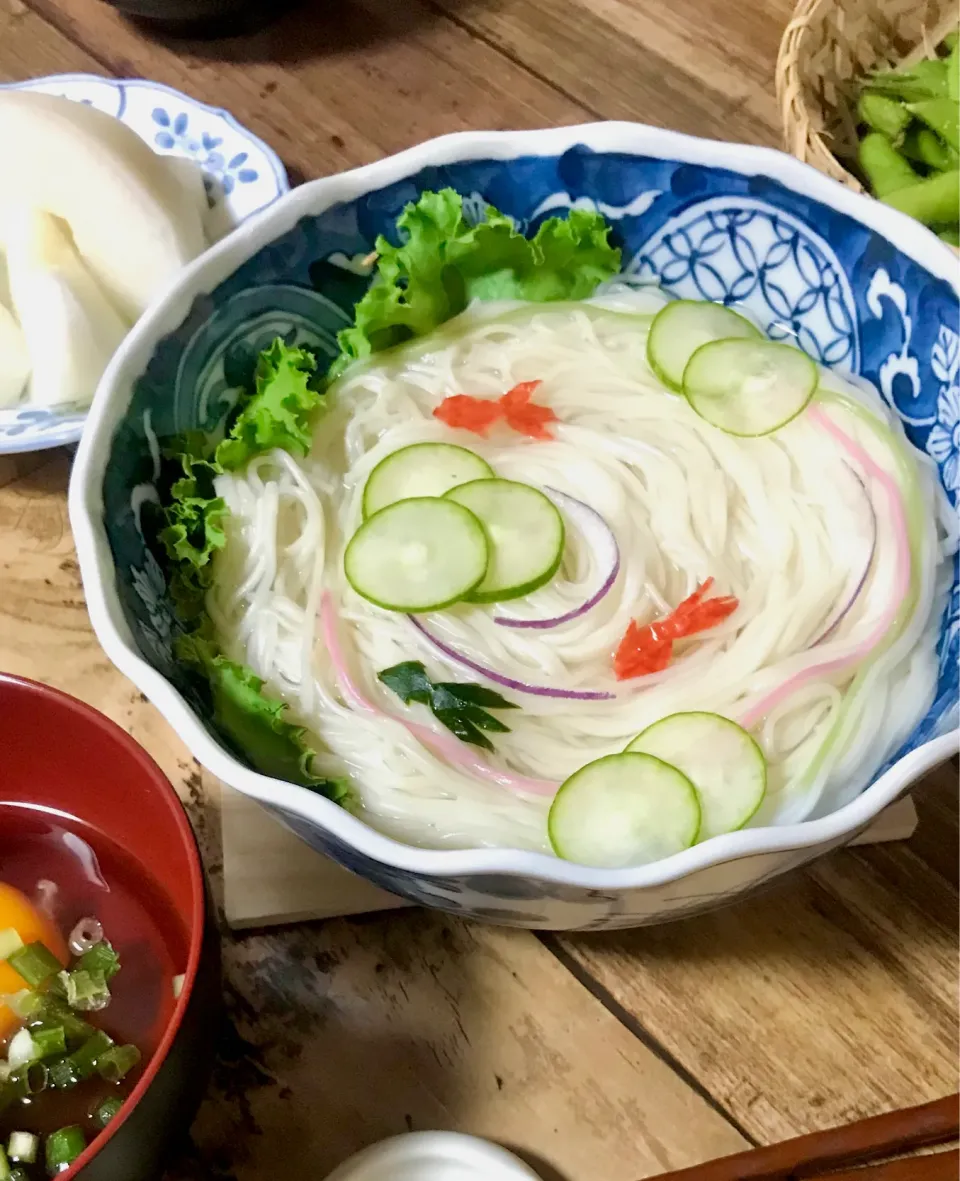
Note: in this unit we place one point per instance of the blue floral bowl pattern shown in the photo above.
(860, 287)
(241, 175)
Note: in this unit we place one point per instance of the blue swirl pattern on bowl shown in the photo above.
(241, 176)
(807, 271)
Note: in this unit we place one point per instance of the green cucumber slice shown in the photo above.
(622, 810)
(721, 760)
(680, 328)
(525, 532)
(422, 469)
(749, 387)
(417, 555)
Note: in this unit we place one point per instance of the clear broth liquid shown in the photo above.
(95, 877)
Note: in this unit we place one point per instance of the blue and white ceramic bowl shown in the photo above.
(241, 175)
(863, 287)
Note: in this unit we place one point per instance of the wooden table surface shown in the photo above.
(601, 1058)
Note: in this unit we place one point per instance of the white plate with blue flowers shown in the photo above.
(242, 175)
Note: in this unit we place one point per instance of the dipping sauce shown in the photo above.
(59, 877)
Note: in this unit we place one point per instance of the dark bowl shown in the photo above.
(63, 759)
(204, 18)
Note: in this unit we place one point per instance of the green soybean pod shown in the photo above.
(884, 114)
(926, 147)
(941, 115)
(883, 166)
(936, 199)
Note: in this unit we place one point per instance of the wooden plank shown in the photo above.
(830, 998)
(29, 48)
(270, 876)
(343, 1034)
(356, 1030)
(704, 68)
(331, 92)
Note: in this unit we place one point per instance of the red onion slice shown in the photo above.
(445, 745)
(861, 582)
(600, 537)
(500, 679)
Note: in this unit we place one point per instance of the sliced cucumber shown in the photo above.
(423, 469)
(680, 328)
(417, 555)
(526, 536)
(720, 759)
(749, 387)
(624, 809)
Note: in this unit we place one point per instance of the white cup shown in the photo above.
(434, 1156)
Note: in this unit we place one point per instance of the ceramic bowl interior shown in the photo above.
(859, 287)
(66, 765)
(241, 174)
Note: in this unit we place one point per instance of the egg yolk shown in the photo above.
(17, 911)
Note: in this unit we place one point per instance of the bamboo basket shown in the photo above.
(826, 50)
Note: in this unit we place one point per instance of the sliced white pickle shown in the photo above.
(749, 387)
(423, 469)
(680, 328)
(526, 536)
(417, 555)
(626, 809)
(721, 760)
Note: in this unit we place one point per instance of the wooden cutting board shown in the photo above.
(272, 877)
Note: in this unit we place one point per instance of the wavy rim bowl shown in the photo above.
(202, 276)
(149, 770)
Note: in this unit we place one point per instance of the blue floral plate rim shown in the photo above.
(25, 428)
(98, 567)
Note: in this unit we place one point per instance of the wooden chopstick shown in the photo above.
(855, 1144)
(938, 1166)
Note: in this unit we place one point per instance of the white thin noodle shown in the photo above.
(781, 522)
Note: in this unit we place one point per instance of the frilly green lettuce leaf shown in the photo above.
(279, 412)
(444, 263)
(253, 721)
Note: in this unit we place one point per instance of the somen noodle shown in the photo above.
(831, 532)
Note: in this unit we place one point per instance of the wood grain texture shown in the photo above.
(831, 998)
(341, 1034)
(334, 86)
(705, 68)
(356, 1030)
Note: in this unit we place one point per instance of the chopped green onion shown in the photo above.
(18, 1002)
(32, 1079)
(21, 1049)
(85, 991)
(84, 1060)
(50, 1041)
(10, 942)
(35, 963)
(104, 1112)
(115, 1063)
(46, 1010)
(4, 1166)
(22, 1147)
(63, 1147)
(63, 1074)
(100, 958)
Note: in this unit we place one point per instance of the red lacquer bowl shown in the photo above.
(62, 761)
